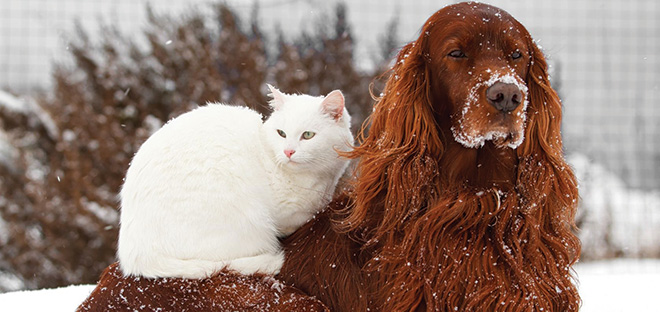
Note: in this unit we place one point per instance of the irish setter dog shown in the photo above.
(462, 199)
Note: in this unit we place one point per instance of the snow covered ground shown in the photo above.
(608, 286)
(54, 300)
(620, 285)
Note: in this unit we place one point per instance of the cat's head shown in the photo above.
(306, 132)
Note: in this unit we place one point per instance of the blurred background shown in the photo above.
(84, 82)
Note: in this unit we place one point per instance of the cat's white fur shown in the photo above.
(213, 188)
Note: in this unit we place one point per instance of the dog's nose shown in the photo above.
(505, 97)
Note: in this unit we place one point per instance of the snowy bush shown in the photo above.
(64, 153)
(614, 221)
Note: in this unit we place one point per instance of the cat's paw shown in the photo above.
(269, 264)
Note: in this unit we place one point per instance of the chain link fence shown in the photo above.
(605, 64)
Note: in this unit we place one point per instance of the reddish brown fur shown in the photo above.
(433, 225)
(429, 224)
(225, 291)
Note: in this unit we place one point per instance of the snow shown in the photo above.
(27, 106)
(606, 286)
(11, 102)
(54, 300)
(615, 220)
(8, 153)
(619, 285)
(465, 135)
(4, 230)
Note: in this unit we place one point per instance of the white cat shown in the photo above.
(215, 187)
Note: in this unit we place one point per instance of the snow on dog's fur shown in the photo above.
(476, 219)
(224, 291)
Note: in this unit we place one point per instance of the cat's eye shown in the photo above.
(281, 133)
(308, 135)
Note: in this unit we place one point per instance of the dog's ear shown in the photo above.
(542, 148)
(542, 130)
(544, 178)
(403, 112)
(398, 156)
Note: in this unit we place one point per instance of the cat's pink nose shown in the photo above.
(289, 153)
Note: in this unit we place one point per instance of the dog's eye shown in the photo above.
(516, 55)
(457, 54)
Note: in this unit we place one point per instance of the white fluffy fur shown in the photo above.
(213, 188)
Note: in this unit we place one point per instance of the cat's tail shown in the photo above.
(267, 263)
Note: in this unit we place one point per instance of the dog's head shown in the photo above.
(480, 74)
(478, 61)
(474, 75)
(473, 78)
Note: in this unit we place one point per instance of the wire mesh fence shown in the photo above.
(606, 64)
(604, 57)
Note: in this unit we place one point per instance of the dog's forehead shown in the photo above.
(472, 16)
(475, 8)
(476, 25)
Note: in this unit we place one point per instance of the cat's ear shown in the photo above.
(333, 104)
(278, 98)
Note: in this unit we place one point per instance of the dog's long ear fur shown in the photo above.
(544, 110)
(543, 142)
(398, 156)
(545, 177)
